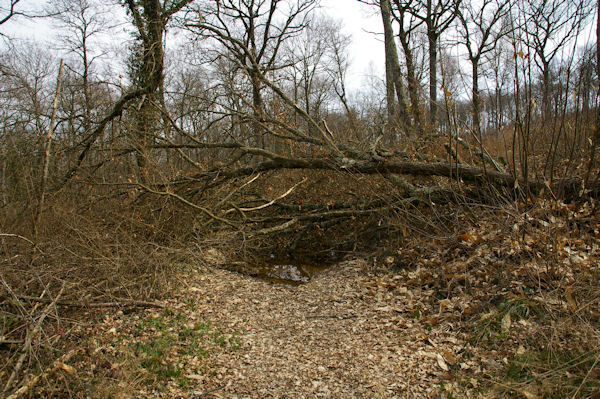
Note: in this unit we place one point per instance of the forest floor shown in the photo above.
(347, 333)
(503, 310)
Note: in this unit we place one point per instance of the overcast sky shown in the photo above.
(359, 21)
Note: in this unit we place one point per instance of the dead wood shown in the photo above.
(87, 143)
(28, 340)
(60, 363)
(78, 304)
(569, 188)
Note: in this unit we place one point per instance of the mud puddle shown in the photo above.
(282, 270)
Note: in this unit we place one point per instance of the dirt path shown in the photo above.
(345, 334)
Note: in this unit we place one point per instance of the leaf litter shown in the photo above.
(461, 318)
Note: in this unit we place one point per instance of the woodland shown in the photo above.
(211, 209)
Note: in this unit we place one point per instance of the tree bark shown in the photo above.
(432, 37)
(257, 104)
(546, 93)
(476, 100)
(566, 189)
(392, 66)
(150, 23)
(415, 104)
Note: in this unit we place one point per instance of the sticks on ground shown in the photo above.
(27, 345)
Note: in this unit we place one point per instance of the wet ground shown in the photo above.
(282, 270)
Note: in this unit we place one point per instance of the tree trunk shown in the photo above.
(567, 189)
(390, 97)
(432, 38)
(392, 66)
(150, 78)
(257, 104)
(546, 93)
(47, 149)
(86, 86)
(476, 111)
(412, 82)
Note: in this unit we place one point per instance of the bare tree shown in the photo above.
(309, 56)
(251, 34)
(81, 20)
(407, 26)
(500, 61)
(596, 139)
(549, 26)
(9, 12)
(437, 15)
(481, 28)
(25, 97)
(338, 68)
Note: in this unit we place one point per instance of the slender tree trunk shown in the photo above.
(546, 93)
(390, 97)
(257, 104)
(86, 88)
(476, 111)
(48, 147)
(412, 82)
(432, 38)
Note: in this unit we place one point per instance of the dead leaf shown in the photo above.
(67, 369)
(506, 323)
(442, 363)
(570, 300)
(449, 357)
(528, 394)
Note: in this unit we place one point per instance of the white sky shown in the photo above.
(367, 49)
(359, 20)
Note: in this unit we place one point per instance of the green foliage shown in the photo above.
(169, 335)
(521, 307)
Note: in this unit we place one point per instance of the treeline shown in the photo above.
(212, 87)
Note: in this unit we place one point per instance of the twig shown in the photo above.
(256, 208)
(118, 303)
(58, 363)
(275, 229)
(188, 203)
(586, 376)
(237, 189)
(27, 345)
(328, 136)
(199, 395)
(333, 316)
(4, 341)
(19, 236)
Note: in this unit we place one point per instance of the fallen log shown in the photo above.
(567, 189)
